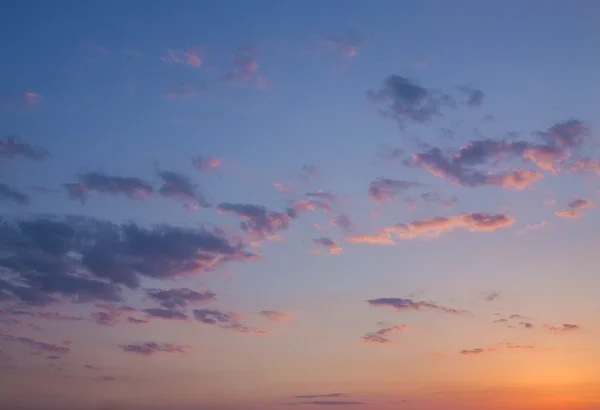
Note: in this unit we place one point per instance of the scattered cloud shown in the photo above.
(343, 222)
(151, 348)
(130, 187)
(380, 336)
(169, 314)
(531, 227)
(347, 45)
(12, 147)
(474, 96)
(244, 67)
(408, 304)
(224, 320)
(574, 208)
(332, 247)
(275, 315)
(179, 186)
(190, 56)
(383, 189)
(204, 163)
(257, 220)
(180, 297)
(403, 99)
(434, 197)
(565, 328)
(381, 238)
(41, 346)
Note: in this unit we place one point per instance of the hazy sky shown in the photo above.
(255, 204)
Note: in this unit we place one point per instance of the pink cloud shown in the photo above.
(332, 247)
(586, 165)
(284, 187)
(191, 56)
(204, 163)
(381, 238)
(380, 336)
(574, 208)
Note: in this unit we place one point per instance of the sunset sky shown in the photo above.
(251, 205)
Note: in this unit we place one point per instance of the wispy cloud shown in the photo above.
(42, 346)
(384, 189)
(332, 247)
(13, 147)
(10, 194)
(180, 297)
(151, 348)
(380, 336)
(224, 320)
(408, 304)
(131, 187)
(574, 208)
(275, 315)
(565, 328)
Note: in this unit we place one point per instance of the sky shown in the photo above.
(255, 205)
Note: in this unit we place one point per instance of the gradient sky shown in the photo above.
(250, 205)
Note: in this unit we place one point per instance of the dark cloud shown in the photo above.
(12, 195)
(568, 134)
(257, 220)
(12, 147)
(179, 186)
(475, 96)
(131, 187)
(328, 403)
(180, 297)
(501, 320)
(42, 346)
(405, 100)
(408, 304)
(150, 348)
(380, 336)
(565, 328)
(434, 197)
(383, 189)
(110, 315)
(516, 317)
(86, 259)
(170, 314)
(224, 320)
(527, 325)
(343, 222)
(136, 321)
(491, 296)
(477, 351)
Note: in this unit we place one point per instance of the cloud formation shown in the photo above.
(420, 306)
(10, 194)
(12, 147)
(380, 336)
(179, 186)
(190, 56)
(332, 247)
(565, 328)
(574, 208)
(151, 348)
(275, 315)
(383, 189)
(205, 164)
(130, 187)
(403, 100)
(41, 346)
(180, 297)
(168, 314)
(347, 45)
(257, 220)
(224, 320)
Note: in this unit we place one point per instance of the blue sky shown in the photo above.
(496, 198)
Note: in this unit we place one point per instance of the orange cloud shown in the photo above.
(382, 238)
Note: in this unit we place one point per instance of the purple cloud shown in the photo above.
(223, 320)
(408, 304)
(180, 297)
(42, 346)
(169, 314)
(12, 195)
(130, 187)
(383, 189)
(151, 348)
(12, 147)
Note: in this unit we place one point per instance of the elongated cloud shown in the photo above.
(574, 208)
(468, 352)
(275, 315)
(380, 336)
(168, 314)
(224, 320)
(586, 165)
(566, 328)
(12, 195)
(40, 315)
(328, 403)
(408, 304)
(381, 238)
(13, 147)
(384, 189)
(151, 348)
(180, 297)
(109, 315)
(130, 187)
(403, 99)
(318, 396)
(332, 247)
(47, 347)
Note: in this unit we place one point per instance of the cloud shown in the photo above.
(317, 396)
(244, 67)
(136, 321)
(502, 320)
(527, 325)
(275, 316)
(257, 220)
(40, 315)
(383, 189)
(26, 99)
(13, 147)
(303, 205)
(108, 315)
(182, 89)
(574, 208)
(586, 165)
(47, 347)
(224, 320)
(435, 198)
(179, 186)
(473, 351)
(53, 357)
(408, 304)
(87, 259)
(333, 248)
(90, 367)
(347, 45)
(380, 336)
(328, 403)
(475, 97)
(381, 238)
(204, 163)
(342, 221)
(151, 348)
(567, 134)
(169, 314)
(180, 297)
(190, 56)
(491, 296)
(130, 187)
(12, 195)
(565, 328)
(405, 100)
